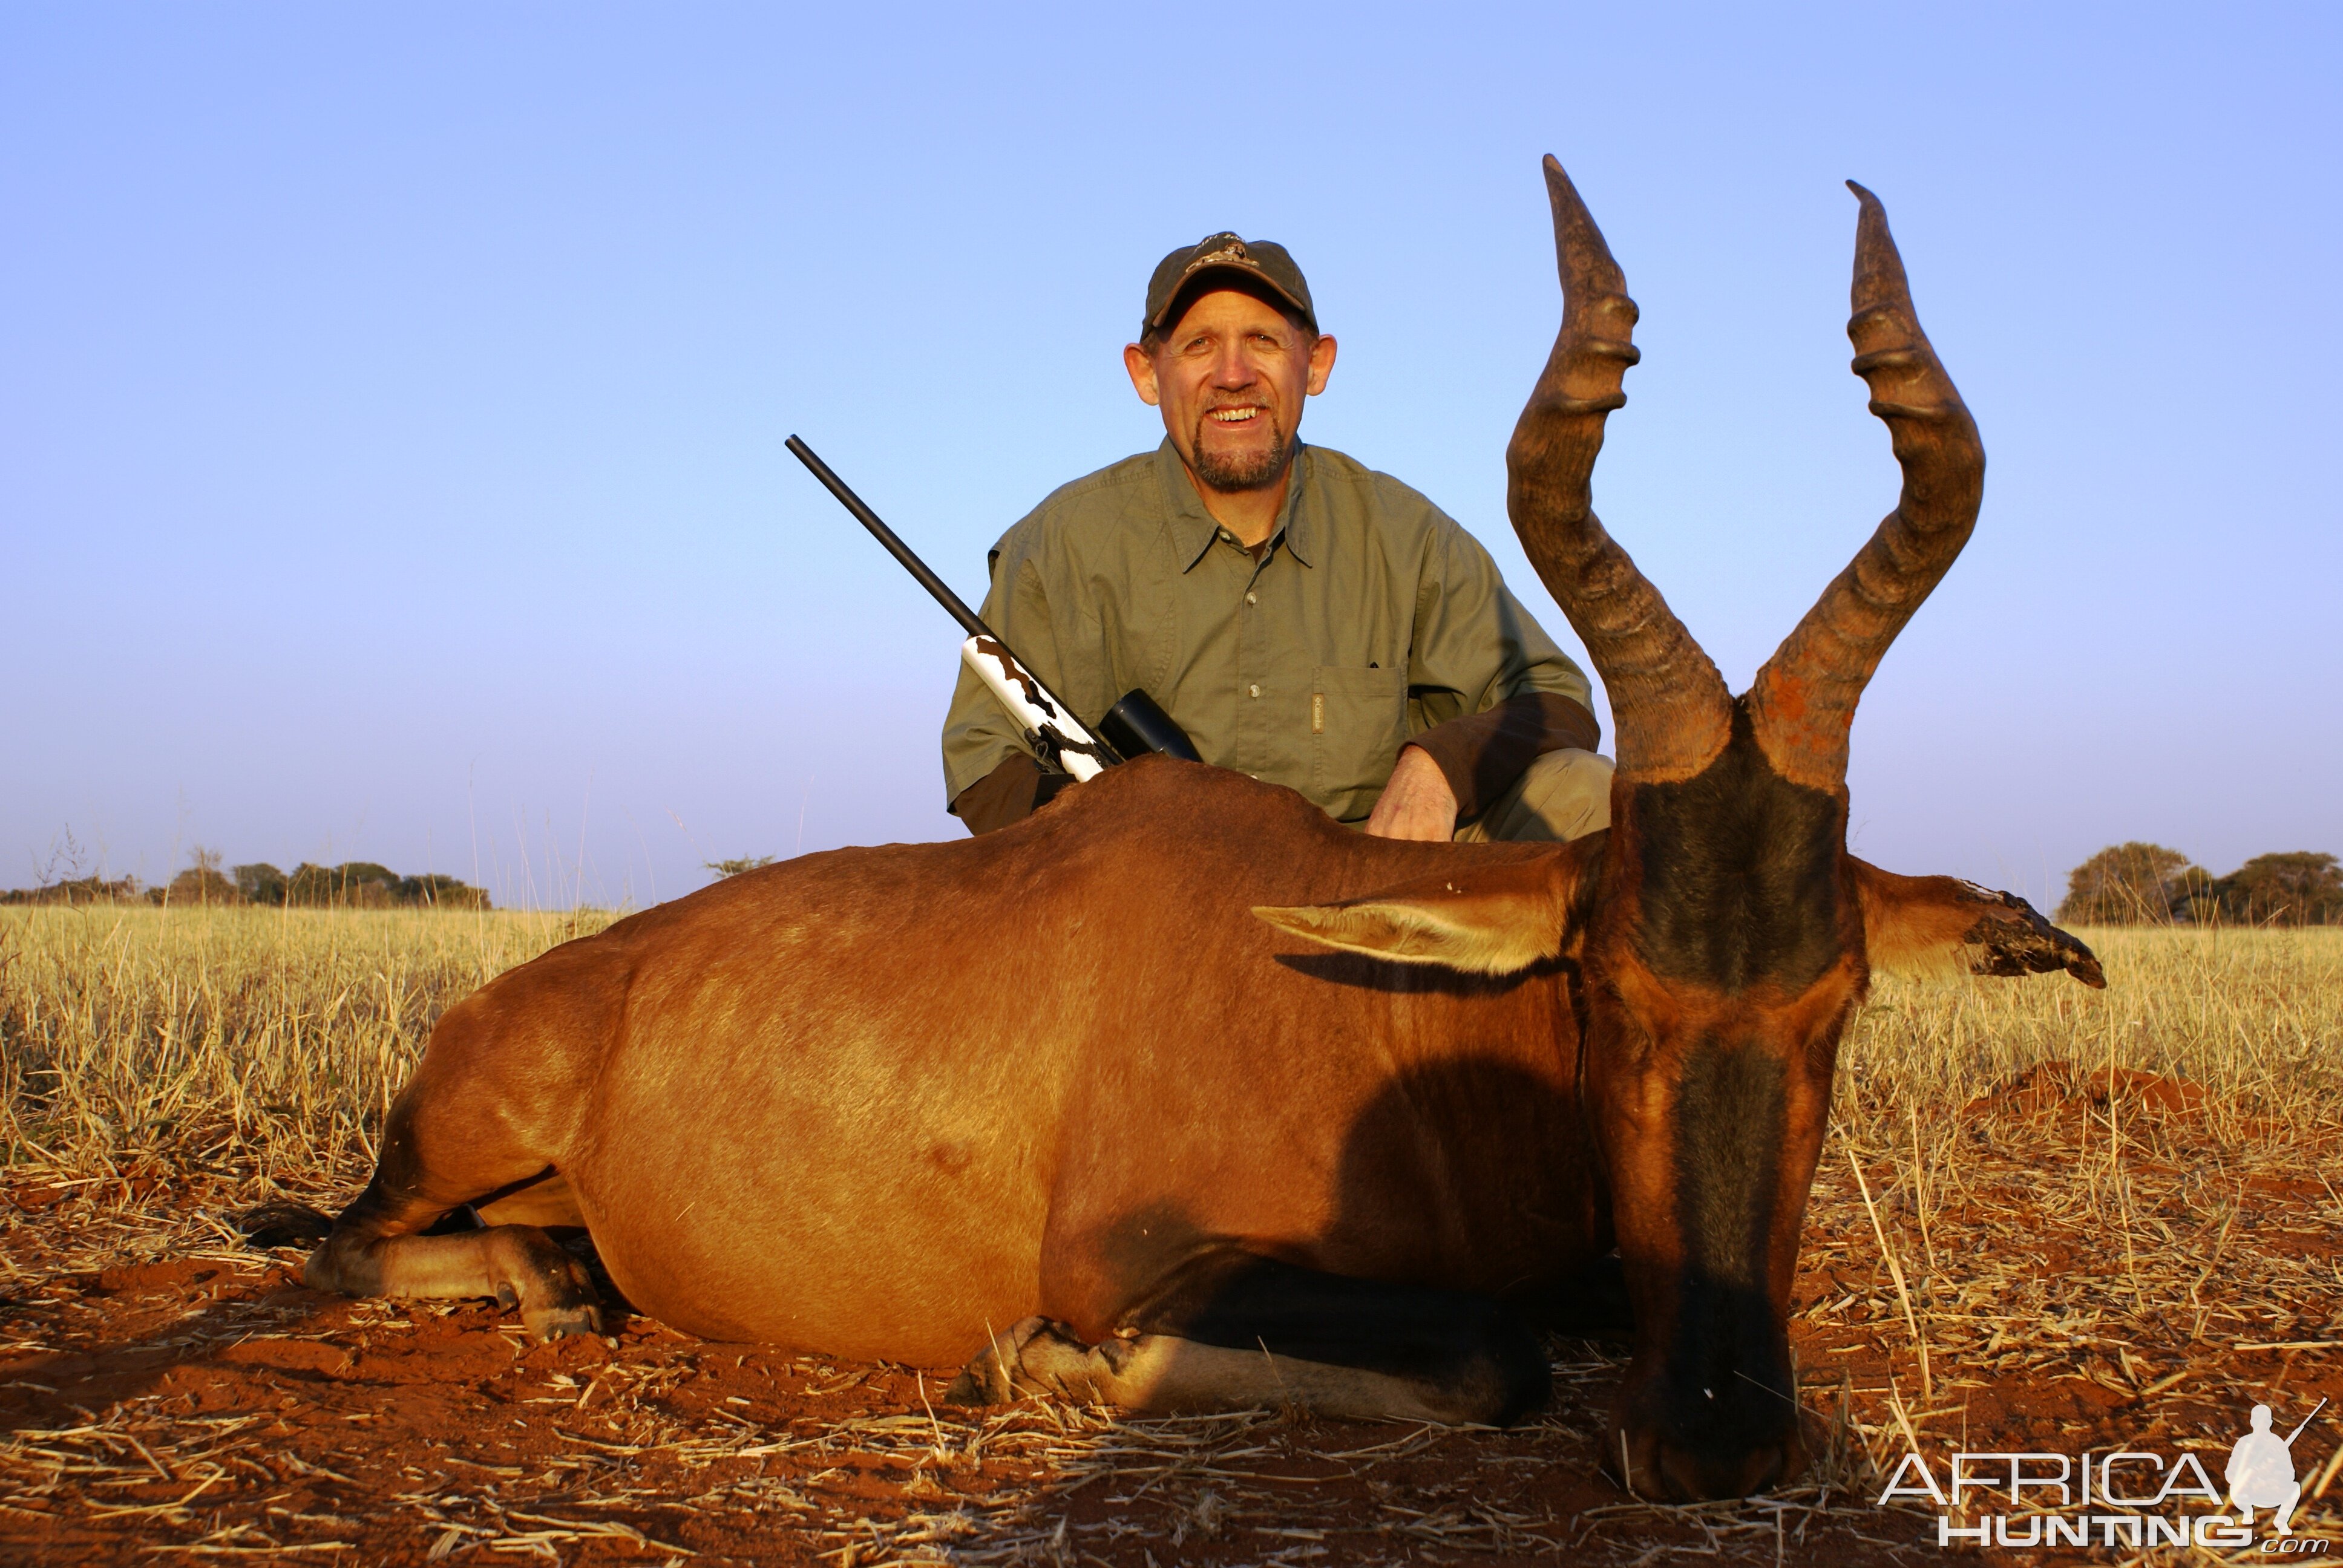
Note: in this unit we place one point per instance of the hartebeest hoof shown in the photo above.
(552, 1289)
(560, 1324)
(991, 1375)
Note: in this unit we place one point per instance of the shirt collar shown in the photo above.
(1192, 527)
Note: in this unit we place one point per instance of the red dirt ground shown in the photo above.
(203, 1404)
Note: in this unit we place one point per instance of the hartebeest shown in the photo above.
(1180, 1093)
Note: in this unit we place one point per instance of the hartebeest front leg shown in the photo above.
(1166, 1372)
(1234, 1331)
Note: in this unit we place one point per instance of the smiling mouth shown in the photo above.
(1235, 415)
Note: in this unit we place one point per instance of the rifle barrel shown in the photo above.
(886, 536)
(969, 620)
(2305, 1421)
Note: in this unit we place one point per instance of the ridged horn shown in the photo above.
(1803, 702)
(1668, 704)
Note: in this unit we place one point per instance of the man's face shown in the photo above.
(1229, 376)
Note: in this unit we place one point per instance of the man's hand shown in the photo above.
(1417, 803)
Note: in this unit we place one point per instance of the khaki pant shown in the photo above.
(1564, 795)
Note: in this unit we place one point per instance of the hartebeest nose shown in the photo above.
(1719, 1433)
(1669, 1471)
(1692, 1475)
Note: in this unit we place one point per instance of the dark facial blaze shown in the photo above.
(1723, 1386)
(1740, 875)
(1744, 960)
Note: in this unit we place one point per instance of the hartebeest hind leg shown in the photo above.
(377, 1247)
(490, 1110)
(375, 1250)
(1232, 1330)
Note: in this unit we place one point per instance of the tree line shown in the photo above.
(2124, 884)
(353, 884)
(2150, 884)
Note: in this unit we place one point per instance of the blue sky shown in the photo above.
(392, 399)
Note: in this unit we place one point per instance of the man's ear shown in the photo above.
(1937, 923)
(1322, 364)
(1142, 366)
(1483, 920)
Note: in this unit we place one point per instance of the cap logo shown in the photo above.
(1225, 249)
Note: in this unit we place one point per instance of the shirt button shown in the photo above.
(1254, 688)
(1253, 599)
(1228, 537)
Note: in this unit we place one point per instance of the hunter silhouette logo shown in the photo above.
(2126, 1499)
(2261, 1470)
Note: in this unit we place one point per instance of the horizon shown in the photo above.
(391, 419)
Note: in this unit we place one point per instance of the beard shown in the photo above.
(1246, 470)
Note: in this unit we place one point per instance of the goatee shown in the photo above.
(1256, 471)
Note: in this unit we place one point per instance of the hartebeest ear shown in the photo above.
(1936, 923)
(1483, 920)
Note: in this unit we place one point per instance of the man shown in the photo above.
(1306, 619)
(2261, 1474)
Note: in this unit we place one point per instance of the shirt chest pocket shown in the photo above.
(1358, 721)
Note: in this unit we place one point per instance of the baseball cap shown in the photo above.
(1260, 259)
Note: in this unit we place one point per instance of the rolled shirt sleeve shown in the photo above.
(1488, 691)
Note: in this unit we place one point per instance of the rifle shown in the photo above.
(1131, 728)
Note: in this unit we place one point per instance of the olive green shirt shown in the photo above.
(1368, 618)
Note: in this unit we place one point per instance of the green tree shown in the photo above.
(433, 890)
(359, 884)
(2196, 896)
(201, 882)
(78, 891)
(2295, 888)
(2130, 884)
(365, 885)
(260, 883)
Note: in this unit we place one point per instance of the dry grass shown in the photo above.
(2003, 1250)
(274, 1038)
(2255, 1016)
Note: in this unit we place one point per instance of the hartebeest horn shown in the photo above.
(1668, 704)
(1803, 702)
